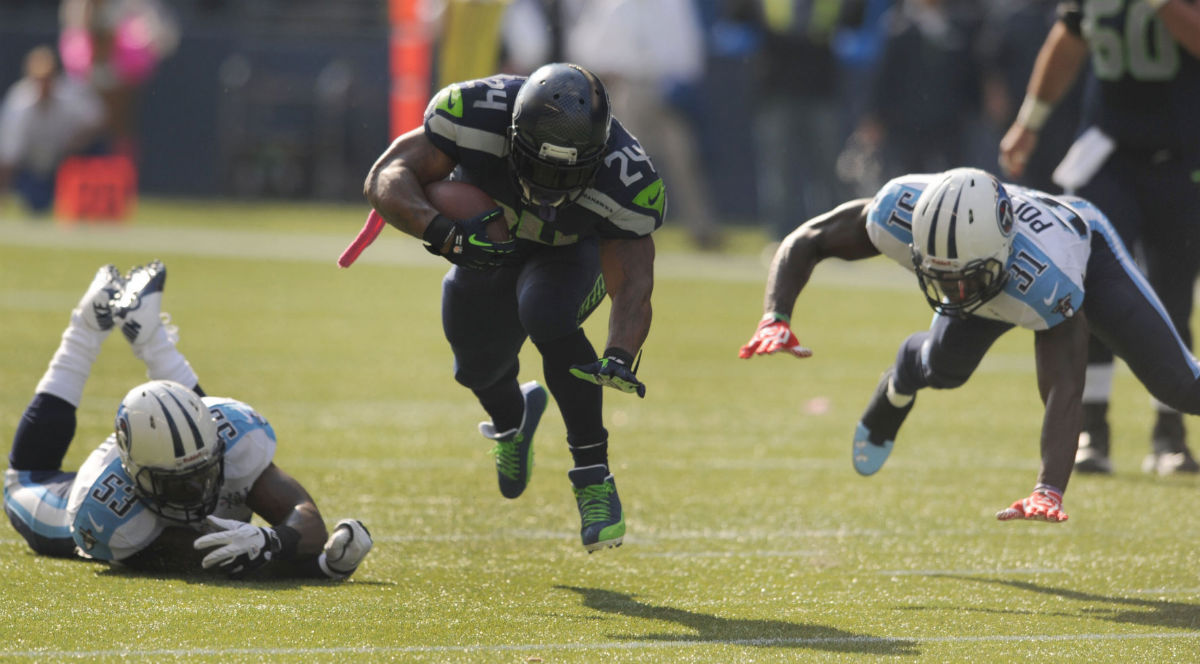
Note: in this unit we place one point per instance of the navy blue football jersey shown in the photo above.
(469, 122)
(1147, 88)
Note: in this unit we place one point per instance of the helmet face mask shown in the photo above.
(169, 446)
(960, 292)
(962, 230)
(186, 497)
(559, 134)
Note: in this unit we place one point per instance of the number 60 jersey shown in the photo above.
(109, 523)
(1050, 248)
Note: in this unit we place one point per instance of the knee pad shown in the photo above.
(943, 381)
(485, 375)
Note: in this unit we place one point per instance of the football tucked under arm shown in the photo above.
(461, 201)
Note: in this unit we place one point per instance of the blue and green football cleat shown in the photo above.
(514, 448)
(599, 507)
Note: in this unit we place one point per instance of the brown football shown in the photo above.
(460, 200)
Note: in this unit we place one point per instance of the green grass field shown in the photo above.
(751, 538)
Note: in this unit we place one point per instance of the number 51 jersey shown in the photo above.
(108, 521)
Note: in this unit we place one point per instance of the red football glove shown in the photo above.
(1044, 504)
(772, 336)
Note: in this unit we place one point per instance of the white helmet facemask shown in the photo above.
(169, 446)
(962, 231)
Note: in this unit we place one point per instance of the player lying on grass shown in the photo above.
(178, 464)
(990, 257)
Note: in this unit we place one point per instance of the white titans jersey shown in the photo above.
(109, 523)
(1050, 249)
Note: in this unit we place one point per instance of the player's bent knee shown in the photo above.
(1185, 399)
(945, 381)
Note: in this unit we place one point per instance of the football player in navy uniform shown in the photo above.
(580, 198)
(182, 472)
(1138, 159)
(990, 257)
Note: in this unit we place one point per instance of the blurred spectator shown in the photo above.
(532, 32)
(44, 118)
(925, 93)
(797, 123)
(469, 38)
(1012, 35)
(650, 53)
(116, 46)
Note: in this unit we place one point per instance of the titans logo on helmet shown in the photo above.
(1004, 214)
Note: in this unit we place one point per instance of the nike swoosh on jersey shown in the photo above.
(99, 528)
(1050, 300)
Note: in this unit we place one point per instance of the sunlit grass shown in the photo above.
(750, 536)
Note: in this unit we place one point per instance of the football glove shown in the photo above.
(243, 547)
(773, 335)
(1044, 504)
(344, 550)
(613, 370)
(468, 242)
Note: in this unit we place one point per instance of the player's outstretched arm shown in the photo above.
(839, 233)
(1061, 359)
(628, 267)
(1061, 354)
(283, 501)
(296, 532)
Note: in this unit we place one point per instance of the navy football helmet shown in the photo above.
(560, 127)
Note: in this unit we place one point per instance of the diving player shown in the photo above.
(181, 471)
(1138, 159)
(990, 257)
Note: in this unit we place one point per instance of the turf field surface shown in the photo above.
(750, 537)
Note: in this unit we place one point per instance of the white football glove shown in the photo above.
(243, 547)
(345, 549)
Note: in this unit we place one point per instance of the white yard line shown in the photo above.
(817, 642)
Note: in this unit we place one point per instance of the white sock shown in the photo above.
(1161, 407)
(895, 398)
(72, 362)
(1097, 383)
(163, 360)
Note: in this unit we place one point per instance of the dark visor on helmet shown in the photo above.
(548, 183)
(187, 497)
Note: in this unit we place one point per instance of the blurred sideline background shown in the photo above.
(758, 112)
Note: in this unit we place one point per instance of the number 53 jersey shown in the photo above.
(1050, 248)
(108, 522)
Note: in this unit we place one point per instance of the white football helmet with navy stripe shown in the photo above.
(962, 230)
(169, 446)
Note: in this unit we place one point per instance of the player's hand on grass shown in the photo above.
(1044, 504)
(242, 547)
(346, 547)
(466, 243)
(773, 335)
(615, 369)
